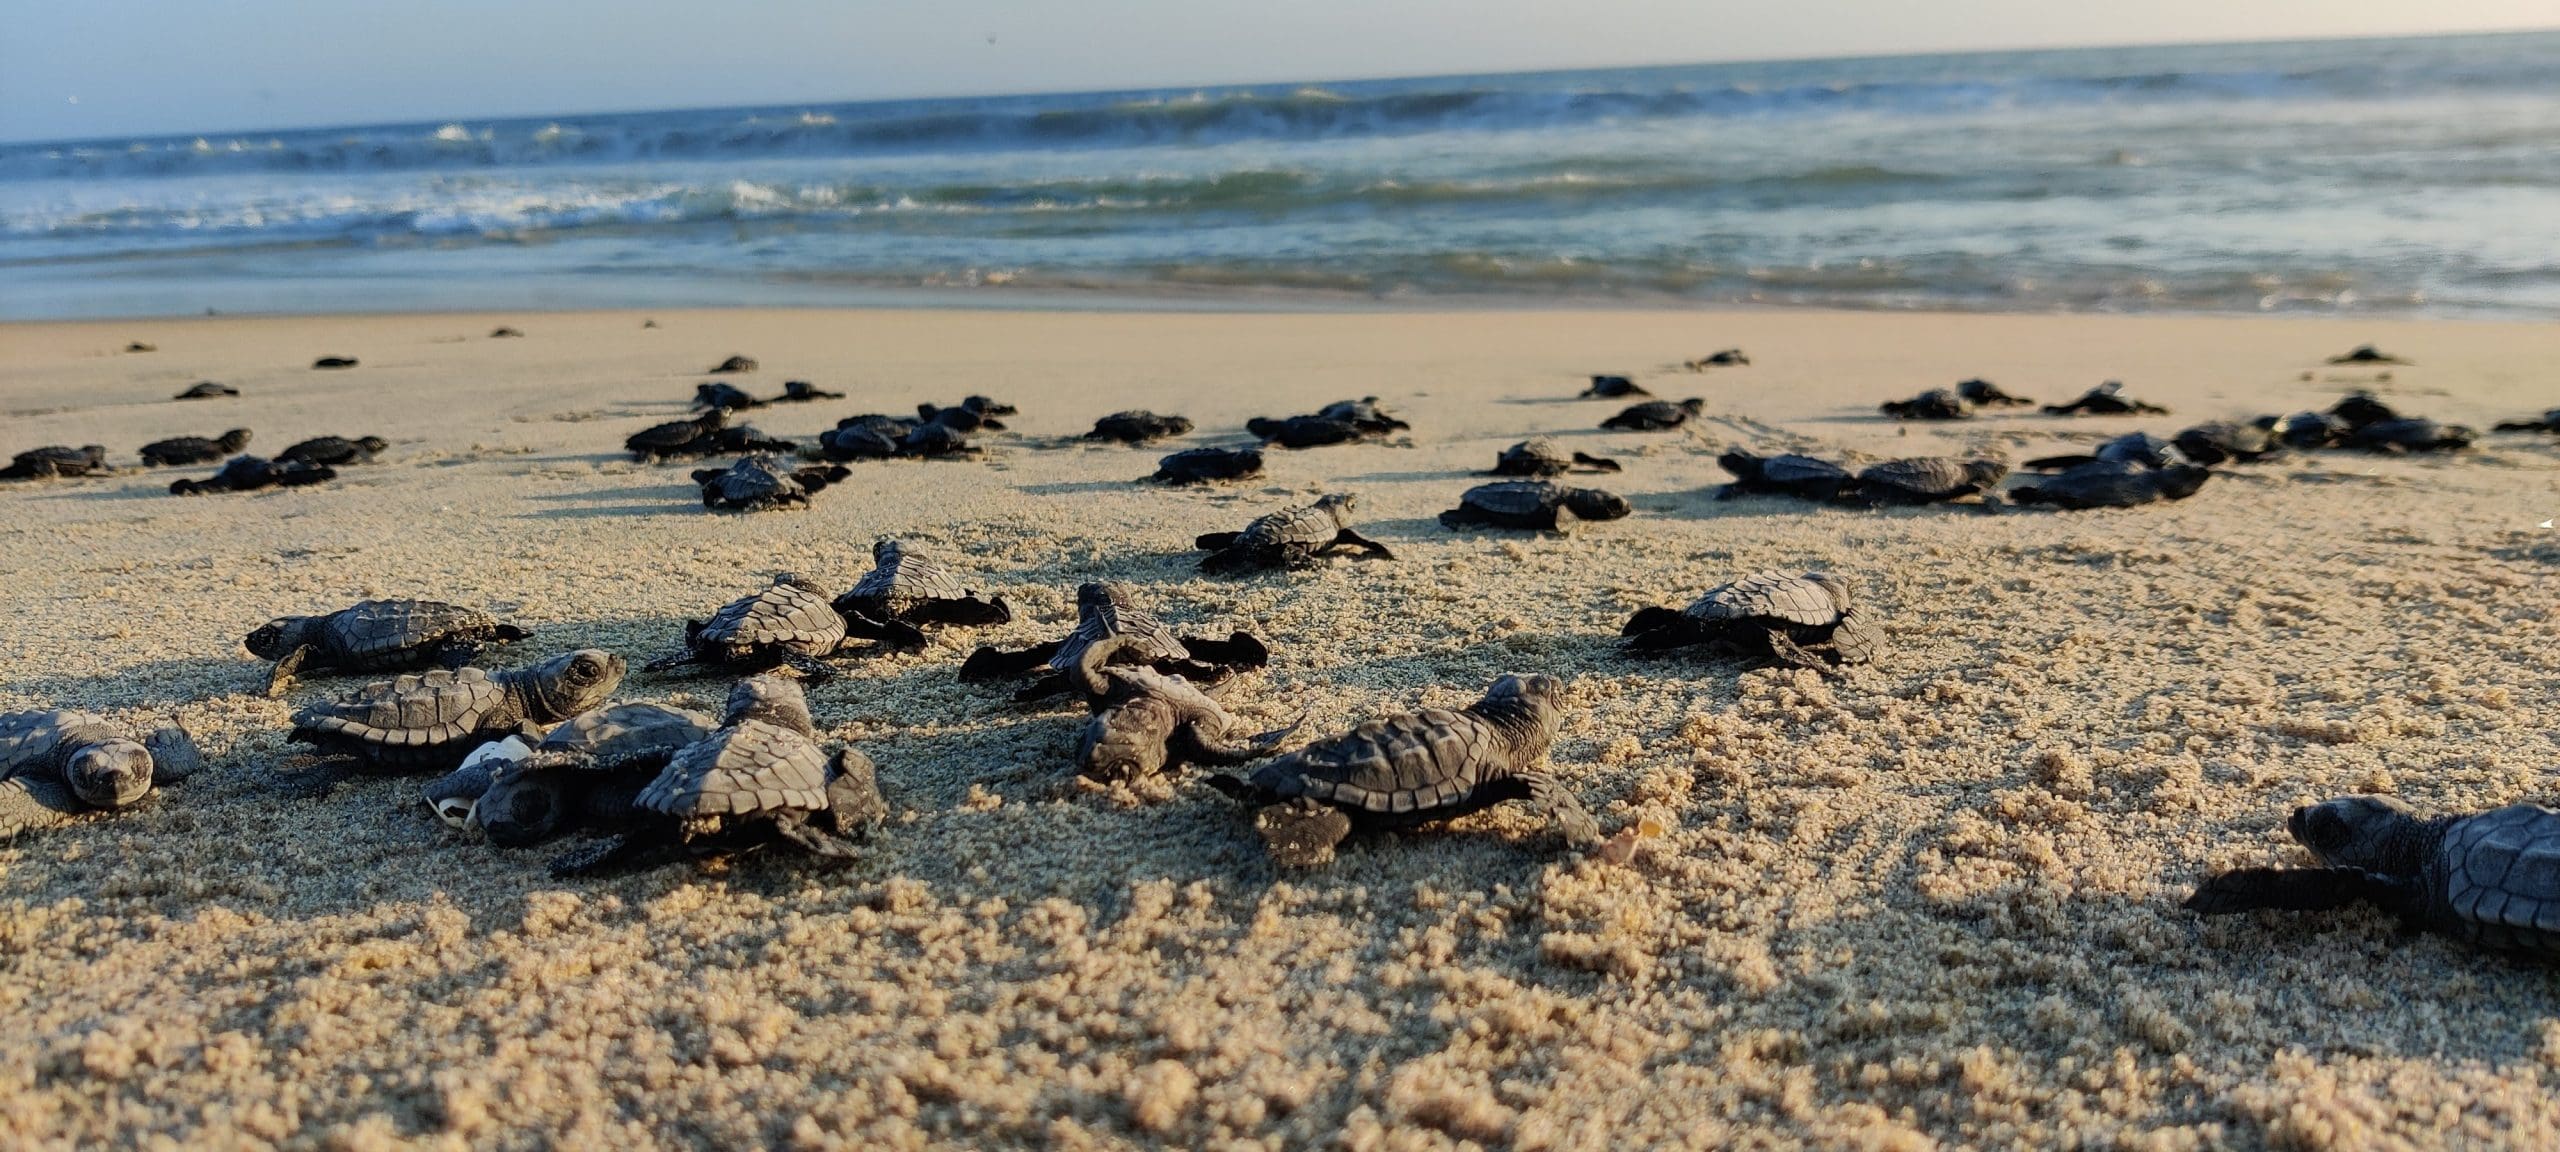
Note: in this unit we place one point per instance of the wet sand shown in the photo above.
(1933, 903)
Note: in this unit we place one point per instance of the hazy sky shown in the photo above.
(85, 68)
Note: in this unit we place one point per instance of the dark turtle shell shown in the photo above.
(788, 617)
(1202, 465)
(746, 769)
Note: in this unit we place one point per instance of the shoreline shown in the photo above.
(1932, 903)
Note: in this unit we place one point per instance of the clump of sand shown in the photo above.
(1931, 904)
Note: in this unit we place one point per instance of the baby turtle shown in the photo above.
(937, 438)
(804, 392)
(1138, 426)
(723, 397)
(2366, 354)
(1934, 404)
(867, 437)
(2311, 430)
(1304, 431)
(1301, 537)
(1655, 415)
(2411, 435)
(334, 450)
(761, 778)
(984, 409)
(586, 772)
(55, 460)
(1540, 456)
(2491, 879)
(1106, 610)
(904, 590)
(1729, 358)
(1926, 480)
(2140, 448)
(2113, 484)
(2222, 442)
(376, 636)
(252, 473)
(193, 449)
(433, 720)
(1809, 621)
(760, 482)
(2550, 422)
(1364, 414)
(733, 365)
(505, 333)
(960, 419)
(676, 437)
(789, 623)
(1145, 721)
(2106, 399)
(1804, 477)
(334, 362)
(55, 765)
(1538, 505)
(140, 346)
(208, 390)
(2362, 410)
(1208, 465)
(1612, 388)
(1985, 394)
(1413, 769)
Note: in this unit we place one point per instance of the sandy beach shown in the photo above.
(1933, 903)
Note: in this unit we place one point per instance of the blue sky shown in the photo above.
(89, 68)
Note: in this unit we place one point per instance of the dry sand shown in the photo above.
(1934, 904)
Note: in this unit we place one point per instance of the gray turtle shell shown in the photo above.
(1514, 498)
(373, 635)
(1535, 456)
(747, 768)
(1410, 764)
(1793, 468)
(427, 710)
(37, 743)
(2496, 878)
(1316, 523)
(619, 735)
(1922, 475)
(788, 617)
(1106, 610)
(1811, 600)
(899, 580)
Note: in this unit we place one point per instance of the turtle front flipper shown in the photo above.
(1571, 818)
(1301, 833)
(2298, 890)
(795, 827)
(1788, 652)
(280, 677)
(996, 664)
(967, 612)
(316, 781)
(809, 668)
(1364, 545)
(641, 847)
(1200, 749)
(174, 755)
(33, 803)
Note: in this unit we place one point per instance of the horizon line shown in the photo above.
(38, 142)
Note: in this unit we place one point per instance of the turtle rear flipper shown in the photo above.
(635, 849)
(280, 677)
(31, 803)
(996, 664)
(2298, 890)
(1785, 648)
(795, 827)
(174, 755)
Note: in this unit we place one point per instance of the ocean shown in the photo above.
(2392, 177)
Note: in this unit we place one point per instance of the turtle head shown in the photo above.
(1095, 595)
(2179, 481)
(1693, 405)
(775, 700)
(109, 773)
(885, 549)
(1339, 501)
(372, 443)
(1128, 742)
(1742, 463)
(1596, 504)
(234, 440)
(2371, 833)
(527, 801)
(277, 637)
(1528, 707)
(570, 684)
(1985, 472)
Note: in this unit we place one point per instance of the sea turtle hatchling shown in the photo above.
(2222, 441)
(1810, 621)
(1655, 415)
(1300, 537)
(1138, 426)
(55, 765)
(2366, 354)
(1926, 480)
(1985, 394)
(1415, 768)
(788, 623)
(2550, 422)
(2490, 879)
(1208, 465)
(1541, 457)
(735, 364)
(906, 589)
(376, 636)
(255, 473)
(1934, 404)
(1533, 505)
(1608, 387)
(1728, 358)
(57, 461)
(432, 720)
(585, 773)
(182, 450)
(719, 396)
(2412, 434)
(761, 778)
(1145, 721)
(207, 390)
(676, 437)
(2106, 399)
(2113, 484)
(1107, 610)
(2139, 448)
(760, 482)
(334, 451)
(1789, 474)
(803, 392)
